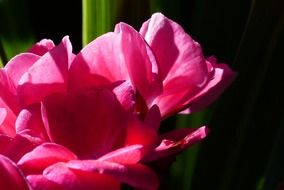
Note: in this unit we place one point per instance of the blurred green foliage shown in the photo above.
(245, 149)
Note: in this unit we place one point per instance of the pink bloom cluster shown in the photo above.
(90, 121)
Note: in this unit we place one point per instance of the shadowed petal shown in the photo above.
(4, 141)
(10, 175)
(17, 147)
(89, 123)
(176, 52)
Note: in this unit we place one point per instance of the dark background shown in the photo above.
(245, 149)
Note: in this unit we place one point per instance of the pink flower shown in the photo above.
(90, 121)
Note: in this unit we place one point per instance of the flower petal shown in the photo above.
(73, 179)
(223, 77)
(7, 120)
(43, 156)
(99, 63)
(48, 75)
(125, 95)
(17, 147)
(140, 62)
(18, 65)
(4, 141)
(29, 122)
(95, 115)
(176, 52)
(10, 175)
(42, 47)
(117, 56)
(127, 155)
(8, 97)
(136, 175)
(181, 63)
(39, 182)
(175, 141)
(143, 132)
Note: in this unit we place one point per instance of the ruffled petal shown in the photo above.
(43, 156)
(42, 47)
(48, 75)
(10, 176)
(90, 123)
(176, 52)
(181, 63)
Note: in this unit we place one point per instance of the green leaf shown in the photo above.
(98, 18)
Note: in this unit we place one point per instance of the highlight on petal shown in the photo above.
(18, 65)
(48, 75)
(44, 155)
(127, 155)
(174, 142)
(42, 47)
(10, 176)
(135, 175)
(99, 63)
(93, 114)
